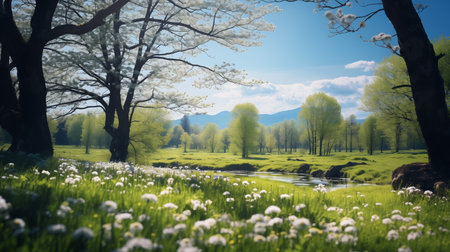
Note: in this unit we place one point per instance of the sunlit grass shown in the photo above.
(215, 212)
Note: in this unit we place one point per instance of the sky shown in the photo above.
(301, 57)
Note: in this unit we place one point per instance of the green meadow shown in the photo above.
(377, 170)
(66, 205)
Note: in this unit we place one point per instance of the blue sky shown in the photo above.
(300, 58)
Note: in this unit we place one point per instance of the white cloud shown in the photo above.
(362, 64)
(270, 98)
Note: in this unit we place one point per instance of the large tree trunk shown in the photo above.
(426, 82)
(119, 144)
(9, 105)
(34, 132)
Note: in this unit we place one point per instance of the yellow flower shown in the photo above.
(231, 242)
(240, 236)
(95, 216)
(90, 226)
(139, 204)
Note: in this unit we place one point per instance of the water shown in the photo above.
(298, 179)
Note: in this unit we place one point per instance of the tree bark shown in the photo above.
(426, 82)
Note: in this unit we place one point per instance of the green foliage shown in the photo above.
(74, 125)
(442, 47)
(148, 132)
(210, 136)
(175, 135)
(244, 128)
(321, 115)
(186, 140)
(368, 134)
(224, 137)
(88, 131)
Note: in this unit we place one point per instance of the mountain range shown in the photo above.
(223, 118)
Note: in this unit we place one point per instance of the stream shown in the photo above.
(298, 179)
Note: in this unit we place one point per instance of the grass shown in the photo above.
(73, 194)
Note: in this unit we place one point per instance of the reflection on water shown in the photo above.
(298, 179)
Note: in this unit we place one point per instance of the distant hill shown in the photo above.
(223, 118)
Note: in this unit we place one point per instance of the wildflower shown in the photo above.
(414, 235)
(262, 191)
(299, 207)
(119, 184)
(378, 204)
(442, 229)
(245, 182)
(392, 235)
(428, 193)
(259, 238)
(256, 218)
(136, 227)
(404, 249)
(417, 208)
(226, 231)
(408, 203)
(148, 197)
(207, 224)
(374, 218)
(259, 227)
(187, 212)
(123, 216)
(96, 179)
(230, 199)
(275, 221)
(180, 227)
(350, 229)
(386, 221)
(397, 217)
(217, 240)
(285, 196)
(226, 193)
(170, 181)
(128, 235)
(143, 217)
(138, 243)
(109, 206)
(83, 234)
(168, 231)
(396, 212)
(315, 231)
(56, 229)
(301, 223)
(45, 172)
(272, 210)
(347, 221)
(170, 206)
(348, 239)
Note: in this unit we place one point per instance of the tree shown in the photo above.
(368, 133)
(135, 59)
(149, 131)
(244, 128)
(87, 133)
(26, 115)
(175, 135)
(262, 138)
(74, 126)
(185, 124)
(351, 124)
(210, 136)
(422, 66)
(186, 140)
(224, 137)
(321, 114)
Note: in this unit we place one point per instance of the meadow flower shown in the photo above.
(181, 227)
(245, 182)
(262, 191)
(207, 224)
(143, 217)
(272, 210)
(63, 210)
(299, 207)
(45, 172)
(123, 216)
(187, 212)
(374, 218)
(136, 227)
(56, 229)
(378, 204)
(83, 234)
(442, 229)
(168, 231)
(301, 223)
(196, 204)
(397, 217)
(170, 181)
(226, 231)
(285, 196)
(408, 203)
(386, 221)
(96, 179)
(275, 221)
(170, 206)
(217, 240)
(350, 229)
(417, 208)
(404, 249)
(348, 239)
(414, 235)
(226, 193)
(179, 217)
(148, 197)
(315, 231)
(396, 211)
(347, 221)
(230, 200)
(119, 184)
(259, 238)
(137, 243)
(260, 227)
(428, 193)
(18, 223)
(109, 206)
(128, 235)
(392, 235)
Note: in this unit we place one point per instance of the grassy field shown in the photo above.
(378, 167)
(73, 206)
